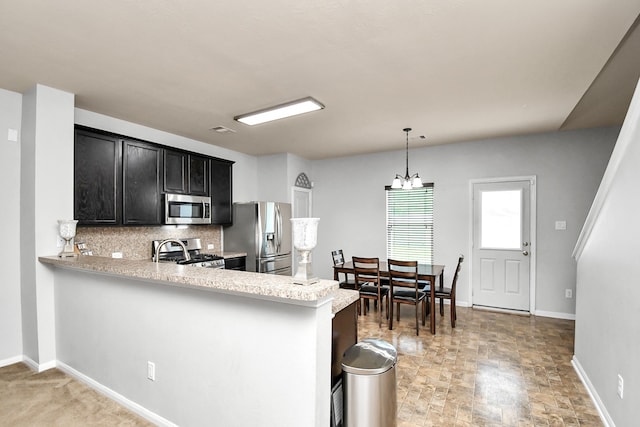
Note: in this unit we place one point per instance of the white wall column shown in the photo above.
(46, 195)
(10, 323)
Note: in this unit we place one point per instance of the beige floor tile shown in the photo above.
(493, 369)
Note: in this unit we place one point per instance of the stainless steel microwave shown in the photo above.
(185, 209)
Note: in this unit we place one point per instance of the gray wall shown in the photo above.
(350, 200)
(220, 359)
(277, 174)
(607, 336)
(272, 182)
(10, 312)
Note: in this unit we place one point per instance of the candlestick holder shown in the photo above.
(305, 238)
(67, 230)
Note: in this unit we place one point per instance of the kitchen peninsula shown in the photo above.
(193, 346)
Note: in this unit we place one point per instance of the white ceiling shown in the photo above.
(453, 70)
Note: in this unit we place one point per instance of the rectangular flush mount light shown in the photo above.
(281, 111)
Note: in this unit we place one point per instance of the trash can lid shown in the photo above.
(369, 357)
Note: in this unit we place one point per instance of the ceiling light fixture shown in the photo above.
(293, 108)
(407, 182)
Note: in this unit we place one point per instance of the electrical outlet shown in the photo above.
(210, 246)
(59, 242)
(151, 371)
(568, 293)
(620, 386)
(116, 255)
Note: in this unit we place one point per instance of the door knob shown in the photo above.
(525, 253)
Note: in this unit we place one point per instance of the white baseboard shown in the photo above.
(10, 361)
(30, 363)
(555, 315)
(106, 391)
(46, 366)
(458, 303)
(602, 410)
(501, 310)
(552, 314)
(39, 367)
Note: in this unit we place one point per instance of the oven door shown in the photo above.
(185, 209)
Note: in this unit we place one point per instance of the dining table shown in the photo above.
(426, 272)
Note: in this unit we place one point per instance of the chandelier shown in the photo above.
(408, 181)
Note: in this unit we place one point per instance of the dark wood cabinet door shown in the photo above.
(198, 175)
(237, 263)
(96, 178)
(221, 192)
(344, 328)
(175, 172)
(141, 183)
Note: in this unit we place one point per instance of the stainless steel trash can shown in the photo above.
(369, 384)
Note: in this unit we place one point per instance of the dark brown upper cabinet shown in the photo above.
(198, 175)
(97, 175)
(120, 180)
(186, 173)
(175, 172)
(141, 183)
(221, 192)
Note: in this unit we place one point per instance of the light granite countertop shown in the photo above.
(242, 283)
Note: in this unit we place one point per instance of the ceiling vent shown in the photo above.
(222, 129)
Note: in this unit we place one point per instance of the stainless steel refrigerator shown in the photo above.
(263, 231)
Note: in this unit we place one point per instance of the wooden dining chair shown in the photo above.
(405, 289)
(367, 273)
(338, 259)
(443, 293)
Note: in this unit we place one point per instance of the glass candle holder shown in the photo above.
(305, 238)
(67, 230)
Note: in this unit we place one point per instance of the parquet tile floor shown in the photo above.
(493, 369)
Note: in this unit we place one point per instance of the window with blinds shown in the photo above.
(410, 224)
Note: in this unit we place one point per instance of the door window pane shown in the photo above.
(501, 219)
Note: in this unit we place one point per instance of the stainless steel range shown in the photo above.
(174, 250)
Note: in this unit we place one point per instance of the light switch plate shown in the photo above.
(12, 135)
(561, 225)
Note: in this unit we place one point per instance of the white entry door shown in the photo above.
(502, 244)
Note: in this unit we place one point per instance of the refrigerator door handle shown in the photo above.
(278, 228)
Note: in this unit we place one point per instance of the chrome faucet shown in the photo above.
(185, 252)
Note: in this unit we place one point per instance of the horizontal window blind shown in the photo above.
(410, 224)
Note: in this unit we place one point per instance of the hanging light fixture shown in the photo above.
(408, 181)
